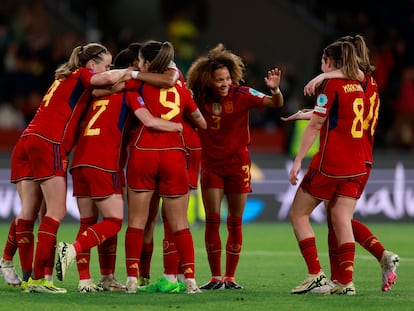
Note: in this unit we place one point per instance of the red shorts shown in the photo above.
(95, 183)
(193, 167)
(232, 174)
(366, 177)
(36, 158)
(325, 188)
(162, 170)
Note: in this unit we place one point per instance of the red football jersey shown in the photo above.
(190, 134)
(168, 104)
(100, 141)
(341, 151)
(60, 111)
(228, 122)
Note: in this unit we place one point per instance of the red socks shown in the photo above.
(233, 245)
(97, 234)
(25, 241)
(213, 243)
(107, 255)
(185, 247)
(134, 238)
(346, 255)
(333, 254)
(170, 255)
(11, 244)
(367, 239)
(83, 258)
(145, 259)
(46, 242)
(310, 254)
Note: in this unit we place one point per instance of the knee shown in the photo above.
(293, 216)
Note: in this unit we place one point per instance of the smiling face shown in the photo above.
(220, 82)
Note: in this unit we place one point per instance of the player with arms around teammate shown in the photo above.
(363, 235)
(99, 180)
(335, 175)
(39, 160)
(157, 162)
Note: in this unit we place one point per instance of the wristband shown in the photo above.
(134, 74)
(275, 92)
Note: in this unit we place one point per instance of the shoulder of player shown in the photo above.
(240, 90)
(339, 83)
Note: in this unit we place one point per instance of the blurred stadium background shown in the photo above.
(36, 36)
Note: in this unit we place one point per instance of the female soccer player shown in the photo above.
(363, 235)
(39, 160)
(335, 175)
(225, 168)
(97, 171)
(158, 163)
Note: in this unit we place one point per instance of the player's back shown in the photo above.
(341, 150)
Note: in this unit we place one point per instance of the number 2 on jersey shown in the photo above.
(101, 106)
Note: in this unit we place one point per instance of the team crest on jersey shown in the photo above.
(216, 108)
(228, 107)
(321, 102)
(256, 93)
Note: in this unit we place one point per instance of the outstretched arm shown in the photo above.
(304, 114)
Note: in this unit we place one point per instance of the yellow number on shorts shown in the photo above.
(173, 105)
(49, 93)
(101, 106)
(246, 169)
(357, 130)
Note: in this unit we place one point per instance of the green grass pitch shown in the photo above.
(270, 265)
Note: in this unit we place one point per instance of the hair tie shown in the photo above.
(81, 50)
